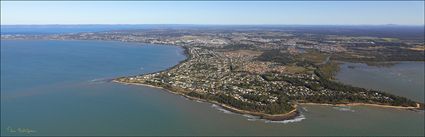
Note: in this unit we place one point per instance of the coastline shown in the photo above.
(185, 53)
(418, 106)
(272, 117)
(276, 117)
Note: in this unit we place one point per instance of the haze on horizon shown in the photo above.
(213, 13)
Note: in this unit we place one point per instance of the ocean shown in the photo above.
(62, 88)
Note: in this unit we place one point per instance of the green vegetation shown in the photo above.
(312, 56)
(279, 107)
(271, 75)
(276, 56)
(248, 92)
(329, 70)
(293, 69)
(355, 96)
(380, 52)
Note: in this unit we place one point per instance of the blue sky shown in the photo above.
(219, 12)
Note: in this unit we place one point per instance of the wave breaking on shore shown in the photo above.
(258, 118)
(299, 118)
(344, 108)
(221, 109)
(296, 119)
(100, 80)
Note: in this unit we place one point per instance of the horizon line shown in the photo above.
(389, 24)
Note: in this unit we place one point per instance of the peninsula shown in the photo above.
(267, 71)
(241, 82)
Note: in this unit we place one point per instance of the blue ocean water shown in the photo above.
(44, 83)
(59, 88)
(64, 29)
(53, 29)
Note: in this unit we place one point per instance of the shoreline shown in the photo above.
(363, 104)
(276, 117)
(185, 53)
(272, 117)
(418, 106)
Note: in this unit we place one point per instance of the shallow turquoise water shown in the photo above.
(58, 88)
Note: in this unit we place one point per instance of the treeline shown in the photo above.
(329, 70)
(282, 58)
(257, 98)
(378, 57)
(276, 56)
(388, 53)
(340, 93)
(332, 85)
(279, 107)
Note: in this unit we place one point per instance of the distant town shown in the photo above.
(266, 71)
